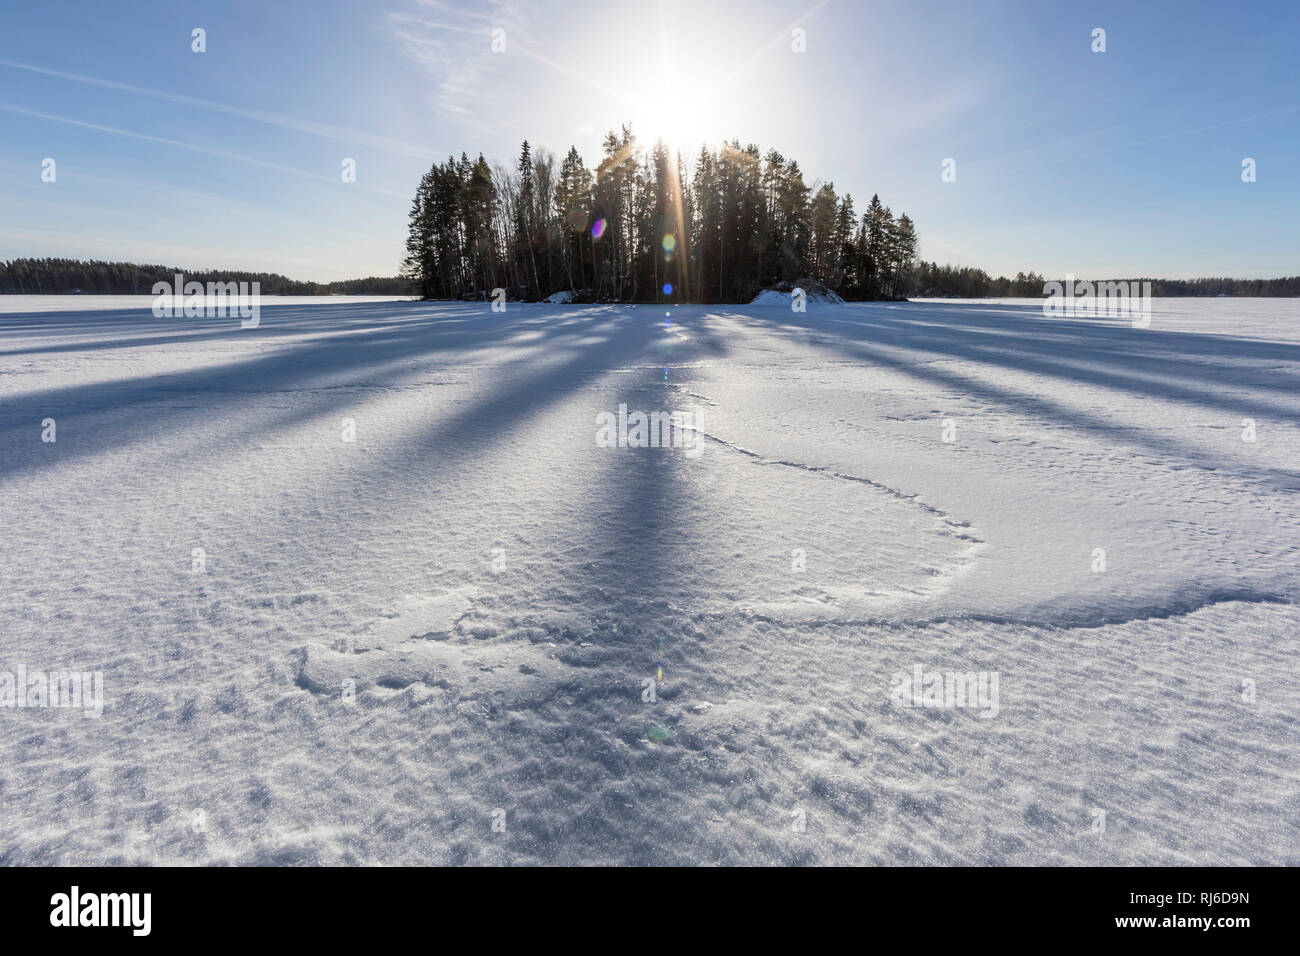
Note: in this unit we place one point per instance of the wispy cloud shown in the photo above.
(326, 130)
(193, 147)
(452, 43)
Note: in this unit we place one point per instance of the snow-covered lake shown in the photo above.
(144, 303)
(364, 586)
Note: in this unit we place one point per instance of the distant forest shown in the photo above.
(65, 276)
(966, 283)
(636, 230)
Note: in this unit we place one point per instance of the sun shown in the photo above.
(677, 104)
(672, 114)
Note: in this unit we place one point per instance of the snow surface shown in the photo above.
(499, 589)
(104, 303)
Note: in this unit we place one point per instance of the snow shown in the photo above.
(772, 297)
(103, 303)
(782, 298)
(563, 297)
(458, 612)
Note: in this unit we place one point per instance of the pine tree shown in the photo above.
(844, 278)
(904, 255)
(823, 243)
(877, 223)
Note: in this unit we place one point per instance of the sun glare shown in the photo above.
(678, 105)
(675, 116)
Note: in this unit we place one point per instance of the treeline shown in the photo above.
(95, 277)
(639, 229)
(1289, 286)
(371, 285)
(964, 282)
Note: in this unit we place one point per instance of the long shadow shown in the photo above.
(635, 544)
(1024, 401)
(609, 753)
(456, 441)
(1042, 350)
(528, 389)
(1016, 319)
(384, 360)
(81, 320)
(179, 337)
(421, 333)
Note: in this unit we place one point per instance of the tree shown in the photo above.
(641, 224)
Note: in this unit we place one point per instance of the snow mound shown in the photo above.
(559, 298)
(783, 293)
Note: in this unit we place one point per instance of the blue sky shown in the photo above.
(1120, 163)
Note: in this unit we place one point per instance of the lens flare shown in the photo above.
(598, 228)
(669, 243)
(668, 288)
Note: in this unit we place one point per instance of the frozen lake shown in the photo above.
(364, 587)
